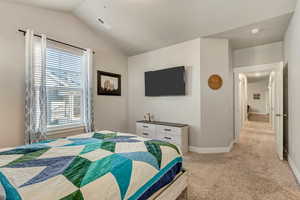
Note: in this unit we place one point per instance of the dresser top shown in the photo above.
(163, 123)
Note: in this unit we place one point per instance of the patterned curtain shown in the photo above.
(88, 90)
(35, 92)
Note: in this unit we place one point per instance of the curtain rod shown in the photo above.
(53, 40)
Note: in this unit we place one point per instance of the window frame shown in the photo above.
(54, 129)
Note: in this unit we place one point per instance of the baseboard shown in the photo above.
(294, 168)
(212, 149)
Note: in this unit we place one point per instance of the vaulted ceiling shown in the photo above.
(63, 5)
(138, 26)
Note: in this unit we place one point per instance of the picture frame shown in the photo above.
(215, 82)
(256, 96)
(108, 84)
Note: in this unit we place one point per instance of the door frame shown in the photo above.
(246, 69)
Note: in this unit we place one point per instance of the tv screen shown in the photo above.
(166, 82)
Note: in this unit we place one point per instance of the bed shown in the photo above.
(100, 165)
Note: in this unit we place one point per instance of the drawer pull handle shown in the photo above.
(168, 138)
(145, 133)
(167, 129)
(146, 126)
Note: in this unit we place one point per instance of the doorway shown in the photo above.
(258, 96)
(259, 101)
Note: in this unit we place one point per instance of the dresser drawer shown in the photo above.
(146, 134)
(146, 130)
(168, 130)
(148, 127)
(174, 139)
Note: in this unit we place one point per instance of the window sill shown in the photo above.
(64, 129)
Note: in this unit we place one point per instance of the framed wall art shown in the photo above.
(215, 82)
(256, 96)
(108, 83)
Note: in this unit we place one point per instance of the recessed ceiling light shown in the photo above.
(255, 31)
(257, 74)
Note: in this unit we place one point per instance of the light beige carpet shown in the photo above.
(252, 171)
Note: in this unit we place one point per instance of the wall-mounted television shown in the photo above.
(166, 82)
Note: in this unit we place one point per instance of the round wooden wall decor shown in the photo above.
(215, 82)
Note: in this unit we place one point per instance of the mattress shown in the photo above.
(99, 165)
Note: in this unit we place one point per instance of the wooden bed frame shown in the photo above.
(178, 187)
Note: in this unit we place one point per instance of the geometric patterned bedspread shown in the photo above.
(100, 165)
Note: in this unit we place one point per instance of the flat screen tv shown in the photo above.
(166, 82)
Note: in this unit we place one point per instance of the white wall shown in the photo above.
(110, 112)
(259, 106)
(180, 109)
(265, 54)
(217, 128)
(292, 56)
(209, 113)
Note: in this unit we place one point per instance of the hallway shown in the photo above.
(252, 171)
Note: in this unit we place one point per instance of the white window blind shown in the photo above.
(64, 87)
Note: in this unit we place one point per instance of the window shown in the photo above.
(64, 87)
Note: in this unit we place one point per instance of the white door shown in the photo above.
(241, 103)
(279, 110)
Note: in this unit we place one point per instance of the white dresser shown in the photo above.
(169, 132)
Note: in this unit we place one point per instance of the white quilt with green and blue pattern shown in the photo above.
(101, 165)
